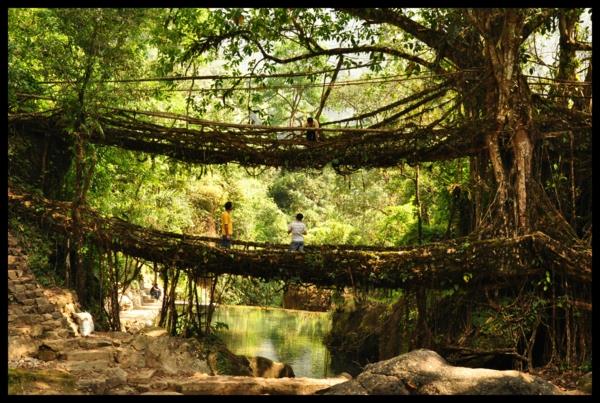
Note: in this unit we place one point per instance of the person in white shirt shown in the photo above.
(312, 135)
(297, 229)
(254, 119)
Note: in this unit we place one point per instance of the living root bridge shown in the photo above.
(205, 142)
(437, 265)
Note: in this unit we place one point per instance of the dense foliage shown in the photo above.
(400, 68)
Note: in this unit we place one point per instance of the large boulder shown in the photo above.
(266, 368)
(224, 362)
(171, 355)
(424, 372)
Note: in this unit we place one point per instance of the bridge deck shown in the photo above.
(438, 265)
(206, 142)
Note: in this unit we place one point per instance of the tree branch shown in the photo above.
(344, 51)
(458, 52)
(390, 106)
(310, 43)
(536, 22)
(395, 116)
(328, 90)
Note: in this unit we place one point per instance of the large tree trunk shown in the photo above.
(508, 101)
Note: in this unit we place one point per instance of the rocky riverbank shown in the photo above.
(48, 355)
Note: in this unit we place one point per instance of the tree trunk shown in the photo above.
(77, 235)
(418, 204)
(508, 101)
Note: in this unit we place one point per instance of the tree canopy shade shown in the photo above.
(496, 100)
(505, 125)
(440, 40)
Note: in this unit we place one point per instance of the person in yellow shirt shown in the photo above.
(226, 226)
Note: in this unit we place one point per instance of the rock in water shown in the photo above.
(266, 368)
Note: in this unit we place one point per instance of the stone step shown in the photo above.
(46, 308)
(95, 342)
(28, 308)
(123, 390)
(114, 336)
(105, 355)
(61, 345)
(25, 330)
(22, 280)
(15, 251)
(31, 319)
(149, 307)
(52, 324)
(57, 334)
(21, 346)
(83, 369)
(12, 241)
(239, 385)
(15, 309)
(17, 289)
(19, 286)
(142, 376)
(17, 262)
(96, 385)
(36, 293)
(155, 332)
(46, 354)
(14, 274)
(162, 392)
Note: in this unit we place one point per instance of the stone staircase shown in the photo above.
(31, 316)
(150, 362)
(143, 314)
(43, 341)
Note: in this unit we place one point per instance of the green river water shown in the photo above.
(291, 336)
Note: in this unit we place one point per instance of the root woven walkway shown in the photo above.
(433, 266)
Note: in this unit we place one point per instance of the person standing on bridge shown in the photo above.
(312, 135)
(297, 229)
(226, 226)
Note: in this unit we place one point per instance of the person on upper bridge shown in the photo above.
(312, 135)
(297, 229)
(226, 226)
(254, 119)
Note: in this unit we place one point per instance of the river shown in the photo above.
(291, 336)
